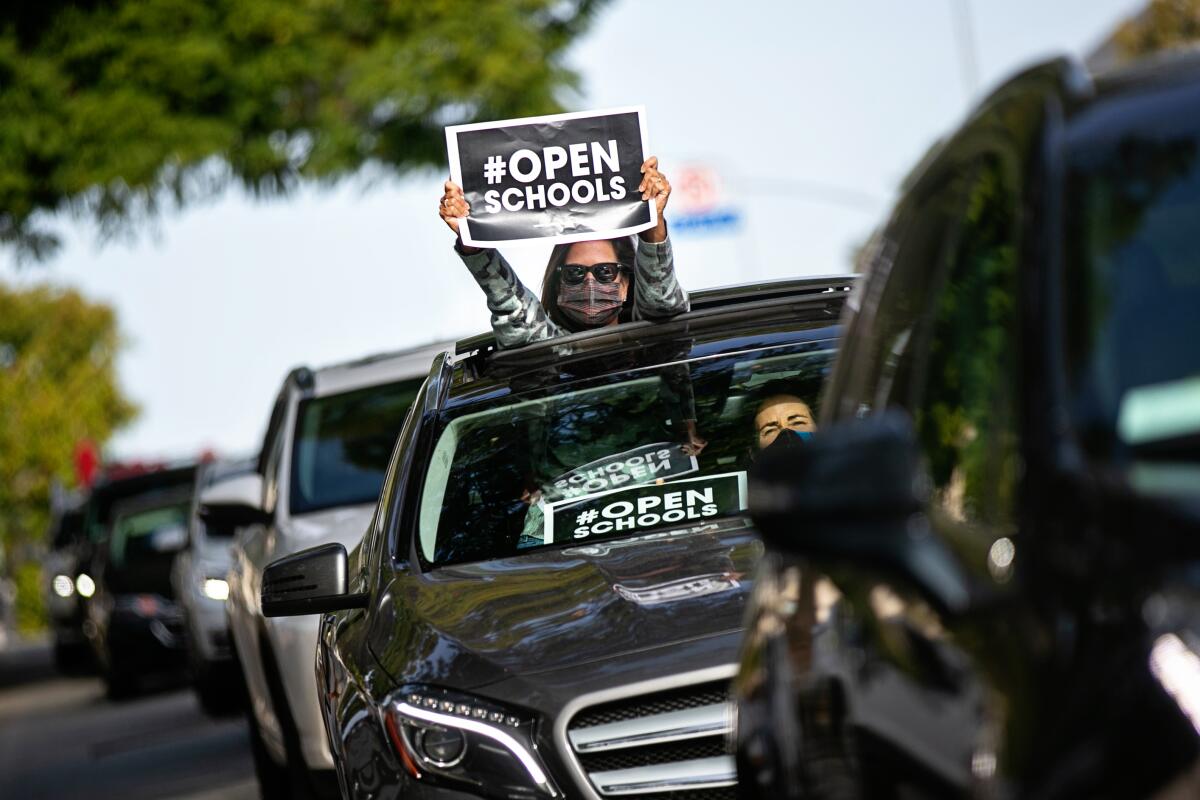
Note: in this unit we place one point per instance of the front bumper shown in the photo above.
(628, 726)
(208, 632)
(143, 644)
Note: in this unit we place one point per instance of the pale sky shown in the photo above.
(812, 112)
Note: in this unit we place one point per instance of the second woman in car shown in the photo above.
(587, 284)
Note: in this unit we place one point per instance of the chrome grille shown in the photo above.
(667, 745)
(629, 758)
(657, 703)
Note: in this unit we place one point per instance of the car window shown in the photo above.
(965, 376)
(624, 455)
(272, 452)
(1133, 306)
(150, 535)
(342, 445)
(905, 260)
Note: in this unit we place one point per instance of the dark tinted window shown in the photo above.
(1134, 277)
(964, 375)
(148, 535)
(342, 444)
(908, 257)
(618, 457)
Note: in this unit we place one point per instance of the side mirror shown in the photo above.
(309, 582)
(857, 493)
(236, 502)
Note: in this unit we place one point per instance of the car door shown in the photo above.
(937, 338)
(249, 552)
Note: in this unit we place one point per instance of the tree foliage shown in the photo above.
(57, 387)
(1162, 25)
(112, 107)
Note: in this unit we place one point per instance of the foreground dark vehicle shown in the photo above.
(552, 588)
(989, 586)
(137, 526)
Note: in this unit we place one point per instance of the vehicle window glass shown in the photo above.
(909, 255)
(632, 454)
(273, 453)
(154, 534)
(965, 382)
(1133, 302)
(342, 445)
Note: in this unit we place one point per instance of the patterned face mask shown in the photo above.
(590, 304)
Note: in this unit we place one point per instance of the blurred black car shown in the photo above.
(137, 527)
(549, 599)
(983, 577)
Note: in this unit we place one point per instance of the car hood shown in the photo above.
(345, 525)
(474, 624)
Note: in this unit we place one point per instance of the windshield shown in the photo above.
(149, 535)
(343, 443)
(1134, 271)
(628, 454)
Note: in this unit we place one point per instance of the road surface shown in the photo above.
(61, 738)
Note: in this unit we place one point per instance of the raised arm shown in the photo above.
(657, 293)
(517, 315)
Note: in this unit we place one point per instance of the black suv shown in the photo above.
(553, 586)
(982, 578)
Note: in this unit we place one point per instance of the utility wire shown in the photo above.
(964, 35)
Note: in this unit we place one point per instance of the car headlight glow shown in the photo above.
(455, 740)
(85, 585)
(216, 588)
(63, 585)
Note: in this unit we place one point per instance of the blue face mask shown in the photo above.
(788, 438)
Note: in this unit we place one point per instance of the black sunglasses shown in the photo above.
(575, 274)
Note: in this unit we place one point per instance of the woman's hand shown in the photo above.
(452, 208)
(655, 186)
(695, 443)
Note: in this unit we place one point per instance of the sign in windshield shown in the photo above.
(657, 461)
(645, 508)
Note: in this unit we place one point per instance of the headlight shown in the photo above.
(216, 588)
(461, 741)
(85, 585)
(63, 585)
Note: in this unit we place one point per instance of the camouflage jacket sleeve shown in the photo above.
(657, 293)
(517, 315)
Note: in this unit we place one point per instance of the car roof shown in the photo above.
(725, 319)
(372, 370)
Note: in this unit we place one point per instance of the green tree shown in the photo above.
(57, 387)
(1162, 25)
(113, 107)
